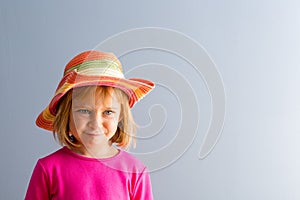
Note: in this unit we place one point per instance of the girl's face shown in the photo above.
(94, 118)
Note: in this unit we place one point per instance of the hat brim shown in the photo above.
(135, 88)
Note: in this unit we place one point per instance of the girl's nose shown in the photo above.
(96, 121)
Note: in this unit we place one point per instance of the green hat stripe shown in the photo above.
(95, 64)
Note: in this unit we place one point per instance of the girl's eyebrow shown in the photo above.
(110, 108)
(79, 105)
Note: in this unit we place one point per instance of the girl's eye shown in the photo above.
(84, 111)
(108, 112)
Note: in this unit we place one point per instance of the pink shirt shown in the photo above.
(66, 175)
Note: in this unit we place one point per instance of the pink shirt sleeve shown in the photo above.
(143, 189)
(38, 188)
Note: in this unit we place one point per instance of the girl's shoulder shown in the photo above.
(54, 157)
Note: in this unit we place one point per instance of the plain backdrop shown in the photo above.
(254, 44)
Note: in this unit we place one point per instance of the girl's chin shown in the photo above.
(96, 142)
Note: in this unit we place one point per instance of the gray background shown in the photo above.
(255, 45)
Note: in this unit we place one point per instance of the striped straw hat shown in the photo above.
(93, 68)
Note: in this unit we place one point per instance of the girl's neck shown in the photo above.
(101, 152)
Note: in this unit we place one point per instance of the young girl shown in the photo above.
(90, 116)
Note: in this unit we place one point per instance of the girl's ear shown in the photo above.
(121, 125)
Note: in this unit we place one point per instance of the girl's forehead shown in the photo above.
(97, 95)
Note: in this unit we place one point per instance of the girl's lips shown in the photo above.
(94, 133)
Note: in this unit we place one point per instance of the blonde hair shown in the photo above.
(126, 130)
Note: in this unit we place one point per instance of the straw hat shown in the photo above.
(93, 68)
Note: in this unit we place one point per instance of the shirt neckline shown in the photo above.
(74, 154)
